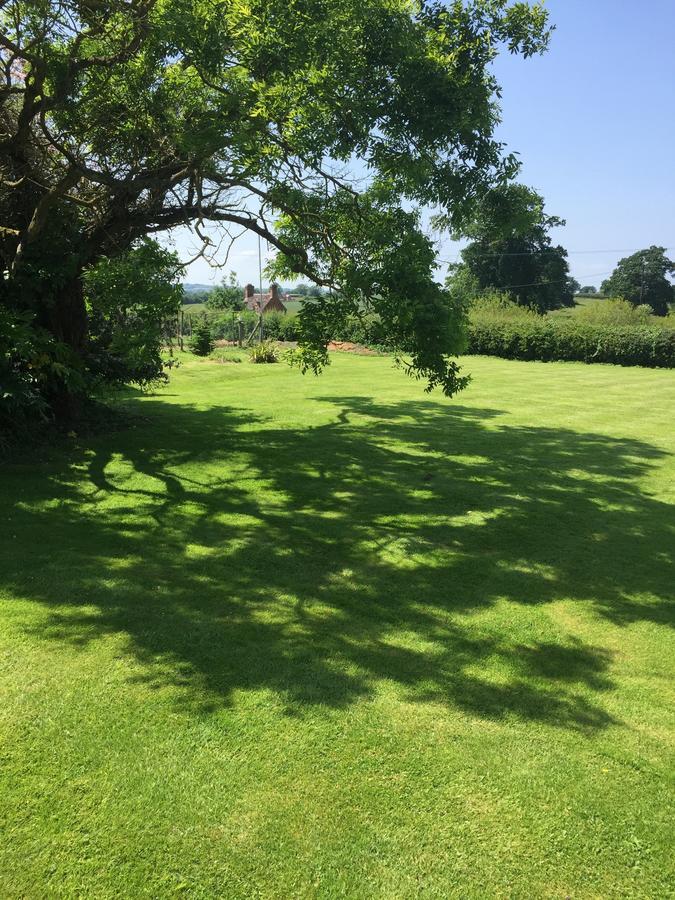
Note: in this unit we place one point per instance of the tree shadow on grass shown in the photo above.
(319, 562)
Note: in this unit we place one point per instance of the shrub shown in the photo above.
(289, 329)
(616, 312)
(266, 352)
(548, 339)
(278, 326)
(497, 306)
(22, 361)
(225, 326)
(272, 325)
(32, 366)
(367, 330)
(128, 298)
(201, 342)
(132, 303)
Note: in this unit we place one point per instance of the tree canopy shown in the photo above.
(229, 294)
(511, 250)
(643, 278)
(124, 118)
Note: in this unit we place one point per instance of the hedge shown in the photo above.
(225, 325)
(548, 340)
(537, 338)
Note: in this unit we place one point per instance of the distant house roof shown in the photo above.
(270, 302)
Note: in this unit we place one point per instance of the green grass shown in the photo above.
(580, 303)
(194, 309)
(334, 637)
(293, 307)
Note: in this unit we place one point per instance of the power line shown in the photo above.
(548, 250)
(505, 287)
(625, 250)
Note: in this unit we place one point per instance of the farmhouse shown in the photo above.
(271, 302)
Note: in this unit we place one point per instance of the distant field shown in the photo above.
(194, 308)
(589, 300)
(580, 303)
(293, 306)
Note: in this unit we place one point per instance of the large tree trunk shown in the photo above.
(67, 321)
(69, 316)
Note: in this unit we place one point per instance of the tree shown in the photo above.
(573, 286)
(307, 290)
(201, 341)
(125, 118)
(511, 251)
(643, 278)
(588, 290)
(229, 294)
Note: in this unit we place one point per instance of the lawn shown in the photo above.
(335, 637)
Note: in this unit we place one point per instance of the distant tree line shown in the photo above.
(511, 251)
(198, 296)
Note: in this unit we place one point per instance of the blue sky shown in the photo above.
(593, 121)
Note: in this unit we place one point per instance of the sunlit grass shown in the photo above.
(286, 636)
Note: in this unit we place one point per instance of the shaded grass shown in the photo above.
(332, 637)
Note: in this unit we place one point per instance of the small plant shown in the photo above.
(266, 352)
(201, 342)
(226, 357)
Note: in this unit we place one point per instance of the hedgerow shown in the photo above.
(547, 340)
(277, 326)
(497, 327)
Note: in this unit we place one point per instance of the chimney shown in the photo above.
(249, 291)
